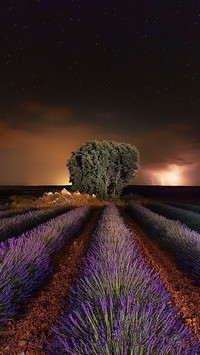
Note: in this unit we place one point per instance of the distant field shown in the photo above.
(166, 193)
(6, 192)
(162, 193)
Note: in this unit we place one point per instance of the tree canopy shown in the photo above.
(103, 168)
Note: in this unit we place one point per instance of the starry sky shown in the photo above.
(72, 71)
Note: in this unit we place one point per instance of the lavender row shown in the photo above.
(5, 213)
(118, 305)
(188, 206)
(182, 242)
(189, 218)
(13, 226)
(26, 260)
(4, 207)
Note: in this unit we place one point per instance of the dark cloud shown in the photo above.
(35, 116)
(75, 71)
(35, 129)
(181, 161)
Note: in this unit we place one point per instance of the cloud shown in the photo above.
(172, 152)
(37, 141)
(182, 161)
(35, 116)
(39, 158)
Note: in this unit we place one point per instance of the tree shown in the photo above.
(103, 168)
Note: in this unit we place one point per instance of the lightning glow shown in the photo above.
(173, 175)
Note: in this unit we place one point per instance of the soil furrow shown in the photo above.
(28, 332)
(185, 294)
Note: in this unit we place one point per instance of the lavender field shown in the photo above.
(116, 302)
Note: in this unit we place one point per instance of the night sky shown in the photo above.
(74, 71)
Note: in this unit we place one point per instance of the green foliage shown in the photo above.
(103, 168)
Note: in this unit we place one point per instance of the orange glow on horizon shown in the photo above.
(173, 175)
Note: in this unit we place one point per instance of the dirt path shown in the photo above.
(34, 326)
(185, 295)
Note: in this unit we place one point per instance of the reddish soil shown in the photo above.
(185, 295)
(28, 332)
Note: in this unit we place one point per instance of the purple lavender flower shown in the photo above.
(119, 305)
(26, 260)
(182, 242)
(20, 223)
